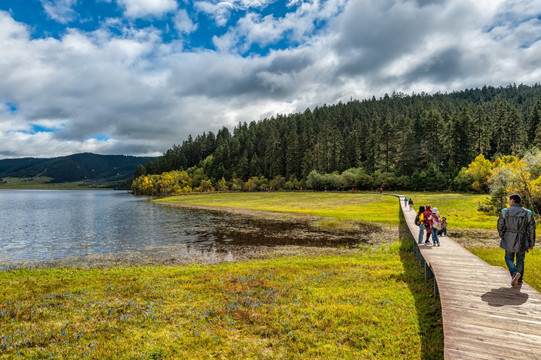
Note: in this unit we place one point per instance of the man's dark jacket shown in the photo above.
(516, 226)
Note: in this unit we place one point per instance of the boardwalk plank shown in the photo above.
(484, 318)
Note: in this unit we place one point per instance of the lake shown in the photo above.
(46, 228)
(54, 226)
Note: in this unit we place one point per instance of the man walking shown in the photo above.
(516, 227)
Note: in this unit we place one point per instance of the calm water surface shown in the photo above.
(51, 225)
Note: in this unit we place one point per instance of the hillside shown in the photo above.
(416, 141)
(91, 169)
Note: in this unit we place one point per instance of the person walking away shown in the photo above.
(410, 203)
(421, 217)
(436, 225)
(405, 202)
(443, 231)
(428, 223)
(516, 227)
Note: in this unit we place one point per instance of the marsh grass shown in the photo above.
(341, 211)
(371, 304)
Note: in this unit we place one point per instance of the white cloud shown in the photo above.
(183, 22)
(221, 12)
(297, 26)
(142, 8)
(60, 10)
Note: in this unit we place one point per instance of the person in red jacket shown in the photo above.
(428, 223)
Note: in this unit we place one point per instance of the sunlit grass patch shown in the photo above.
(373, 304)
(339, 206)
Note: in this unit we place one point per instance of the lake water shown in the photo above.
(50, 226)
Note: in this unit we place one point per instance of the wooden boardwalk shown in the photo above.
(483, 316)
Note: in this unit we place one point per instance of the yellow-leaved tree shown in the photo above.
(516, 175)
(480, 171)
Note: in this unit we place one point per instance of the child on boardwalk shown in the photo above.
(405, 202)
(410, 203)
(443, 231)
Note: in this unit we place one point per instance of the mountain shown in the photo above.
(92, 169)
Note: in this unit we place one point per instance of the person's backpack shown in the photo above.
(417, 221)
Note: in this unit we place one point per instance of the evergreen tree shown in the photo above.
(503, 136)
(533, 122)
(482, 131)
(293, 154)
(460, 153)
(516, 127)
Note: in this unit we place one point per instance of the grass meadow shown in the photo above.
(372, 303)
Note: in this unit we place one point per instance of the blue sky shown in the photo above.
(137, 76)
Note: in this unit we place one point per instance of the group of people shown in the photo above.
(429, 219)
(408, 202)
(516, 227)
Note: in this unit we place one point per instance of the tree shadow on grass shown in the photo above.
(428, 307)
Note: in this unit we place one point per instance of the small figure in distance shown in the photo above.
(405, 202)
(516, 227)
(410, 202)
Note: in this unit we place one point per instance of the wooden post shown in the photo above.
(428, 272)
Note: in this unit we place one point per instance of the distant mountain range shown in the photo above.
(93, 169)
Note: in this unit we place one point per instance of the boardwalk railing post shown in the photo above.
(428, 272)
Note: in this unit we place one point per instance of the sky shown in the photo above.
(136, 77)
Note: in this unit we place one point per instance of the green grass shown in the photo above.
(337, 206)
(373, 304)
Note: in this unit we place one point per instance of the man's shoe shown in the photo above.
(515, 280)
